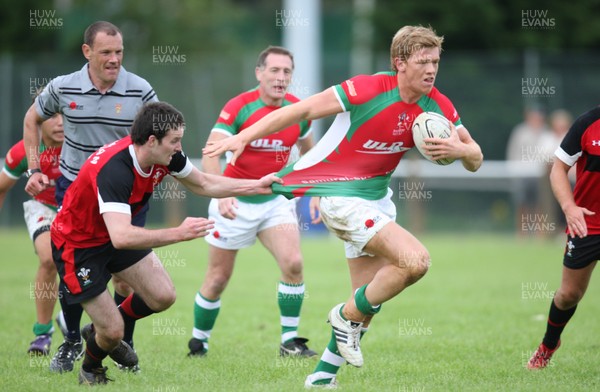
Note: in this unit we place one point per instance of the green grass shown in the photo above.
(469, 325)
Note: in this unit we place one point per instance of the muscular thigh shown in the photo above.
(147, 277)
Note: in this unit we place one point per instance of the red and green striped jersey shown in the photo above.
(363, 146)
(16, 164)
(262, 156)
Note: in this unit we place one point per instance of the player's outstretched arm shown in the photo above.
(575, 215)
(210, 185)
(123, 235)
(317, 106)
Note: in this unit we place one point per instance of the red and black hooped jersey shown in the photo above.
(111, 180)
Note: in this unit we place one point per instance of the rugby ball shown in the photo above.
(430, 124)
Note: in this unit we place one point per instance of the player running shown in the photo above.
(352, 165)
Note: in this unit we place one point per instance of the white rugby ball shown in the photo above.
(430, 124)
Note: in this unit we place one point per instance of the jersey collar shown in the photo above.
(119, 88)
(136, 164)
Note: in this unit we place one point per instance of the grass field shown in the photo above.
(469, 325)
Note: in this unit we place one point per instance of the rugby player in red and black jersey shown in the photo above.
(92, 235)
(580, 146)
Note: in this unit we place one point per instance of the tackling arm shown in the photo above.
(211, 185)
(123, 235)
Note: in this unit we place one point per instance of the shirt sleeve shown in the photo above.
(227, 122)
(47, 103)
(15, 162)
(570, 148)
(114, 183)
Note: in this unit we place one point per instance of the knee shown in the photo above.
(292, 267)
(214, 285)
(417, 264)
(164, 300)
(566, 298)
(121, 287)
(47, 265)
(108, 337)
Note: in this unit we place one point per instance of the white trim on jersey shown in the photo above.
(221, 131)
(11, 176)
(566, 158)
(136, 164)
(330, 140)
(339, 99)
(113, 207)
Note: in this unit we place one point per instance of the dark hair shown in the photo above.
(101, 26)
(155, 118)
(262, 57)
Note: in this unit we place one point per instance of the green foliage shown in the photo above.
(229, 25)
(495, 24)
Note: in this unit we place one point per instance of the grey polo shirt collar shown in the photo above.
(119, 88)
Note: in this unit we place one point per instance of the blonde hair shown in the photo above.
(411, 39)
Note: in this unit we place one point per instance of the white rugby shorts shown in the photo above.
(251, 219)
(38, 217)
(355, 220)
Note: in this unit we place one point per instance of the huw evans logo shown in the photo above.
(537, 19)
(44, 19)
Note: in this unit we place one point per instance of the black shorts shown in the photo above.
(581, 252)
(85, 272)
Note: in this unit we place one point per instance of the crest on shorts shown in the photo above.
(84, 274)
(570, 247)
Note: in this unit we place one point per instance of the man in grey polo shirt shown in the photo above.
(98, 104)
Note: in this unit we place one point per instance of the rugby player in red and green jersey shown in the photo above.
(239, 221)
(351, 168)
(39, 213)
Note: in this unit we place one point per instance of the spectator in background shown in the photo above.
(526, 155)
